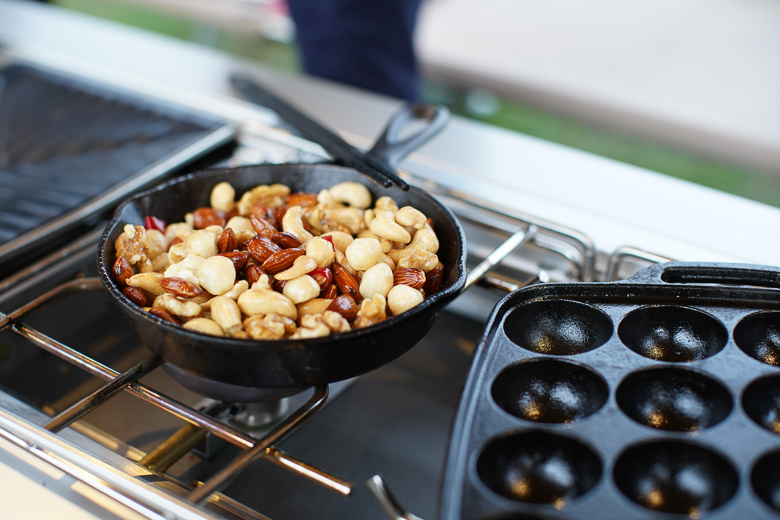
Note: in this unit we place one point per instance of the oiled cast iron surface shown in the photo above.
(282, 363)
(652, 397)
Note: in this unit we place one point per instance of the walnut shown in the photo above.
(371, 311)
(270, 326)
(311, 327)
(270, 196)
(130, 245)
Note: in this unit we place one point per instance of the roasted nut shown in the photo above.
(311, 327)
(227, 313)
(240, 259)
(346, 283)
(263, 226)
(205, 326)
(313, 306)
(122, 270)
(149, 282)
(180, 287)
(433, 280)
(286, 240)
(222, 197)
(411, 217)
(340, 239)
(136, 295)
(282, 260)
(372, 310)
(292, 222)
(321, 251)
(363, 253)
(265, 301)
(227, 241)
(186, 269)
(401, 298)
(344, 305)
(262, 247)
(271, 326)
(414, 278)
(205, 217)
(177, 307)
(301, 266)
(330, 292)
(352, 193)
(253, 274)
(217, 275)
(301, 289)
(378, 279)
(202, 243)
(323, 276)
(241, 226)
(238, 288)
(385, 226)
(304, 200)
(335, 322)
(386, 202)
(269, 196)
(419, 259)
(163, 315)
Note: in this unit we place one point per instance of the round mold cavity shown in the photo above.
(675, 477)
(558, 327)
(549, 391)
(761, 402)
(673, 399)
(765, 479)
(539, 467)
(673, 334)
(758, 336)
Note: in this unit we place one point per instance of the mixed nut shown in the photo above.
(275, 264)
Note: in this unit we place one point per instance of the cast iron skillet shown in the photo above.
(288, 363)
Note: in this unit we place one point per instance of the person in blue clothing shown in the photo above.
(365, 43)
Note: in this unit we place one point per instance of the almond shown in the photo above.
(330, 292)
(414, 278)
(433, 280)
(136, 295)
(253, 273)
(180, 287)
(282, 260)
(346, 283)
(286, 240)
(240, 259)
(261, 248)
(263, 226)
(122, 270)
(227, 241)
(205, 217)
(164, 315)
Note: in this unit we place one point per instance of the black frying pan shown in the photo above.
(287, 363)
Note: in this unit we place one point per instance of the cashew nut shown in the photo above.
(227, 314)
(385, 243)
(386, 227)
(313, 306)
(386, 202)
(260, 299)
(340, 239)
(301, 266)
(411, 217)
(352, 193)
(149, 282)
(292, 222)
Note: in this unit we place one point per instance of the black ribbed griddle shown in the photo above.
(65, 143)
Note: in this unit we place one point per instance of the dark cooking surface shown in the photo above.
(625, 400)
(63, 142)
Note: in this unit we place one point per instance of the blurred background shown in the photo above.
(687, 88)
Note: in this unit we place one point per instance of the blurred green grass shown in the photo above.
(529, 120)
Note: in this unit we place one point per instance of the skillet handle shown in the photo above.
(390, 149)
(710, 273)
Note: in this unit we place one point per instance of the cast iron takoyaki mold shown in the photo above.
(648, 398)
